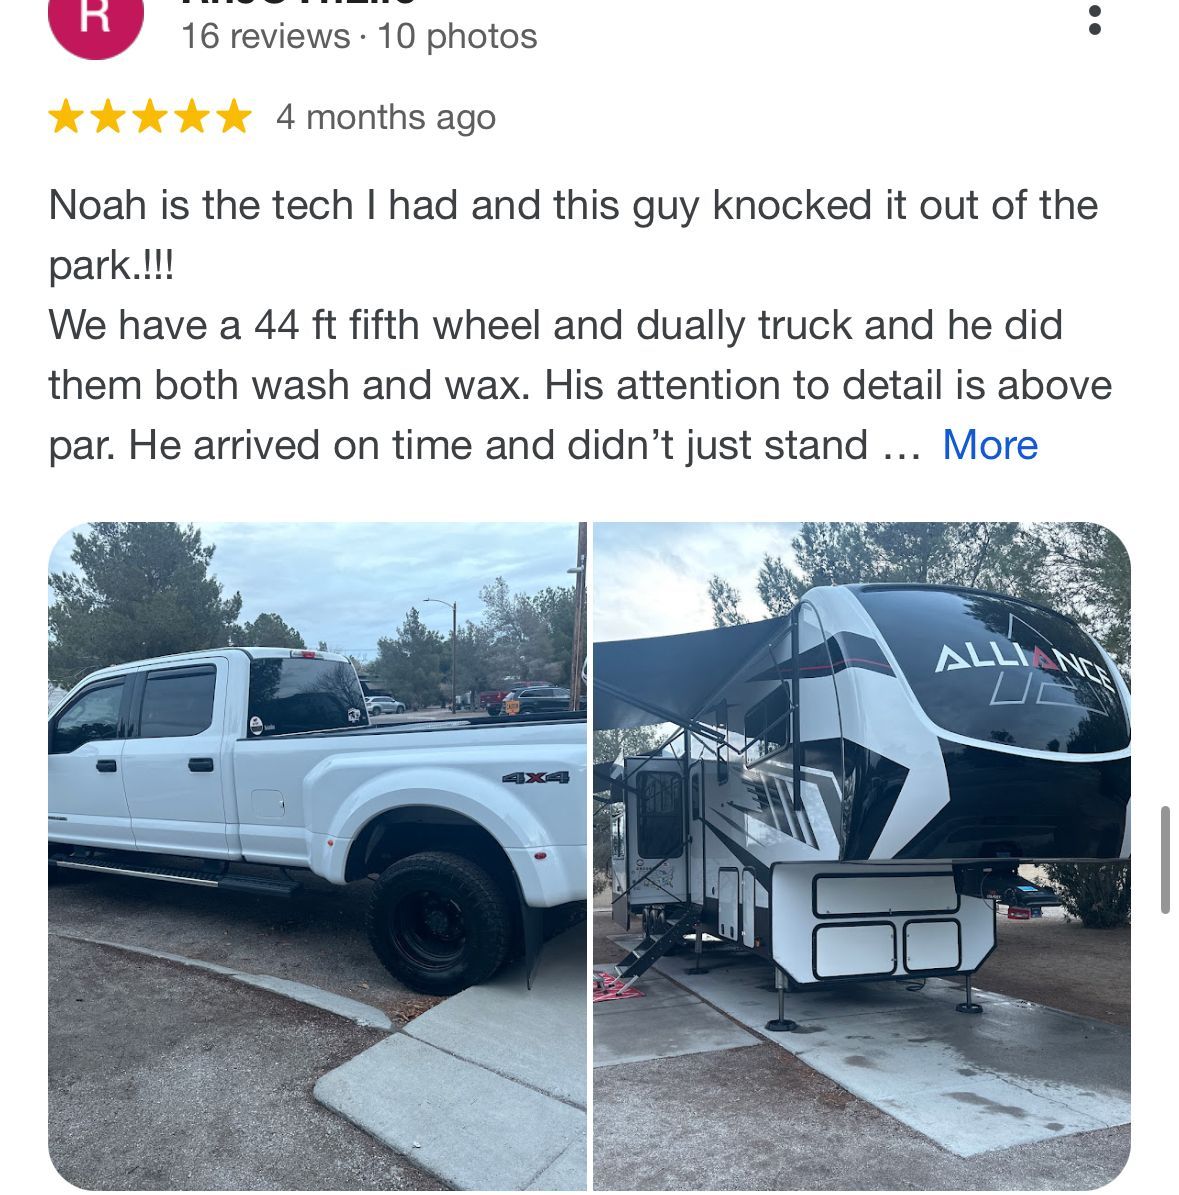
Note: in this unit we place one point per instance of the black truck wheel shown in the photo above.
(439, 922)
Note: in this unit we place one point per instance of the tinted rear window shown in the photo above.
(296, 695)
(994, 669)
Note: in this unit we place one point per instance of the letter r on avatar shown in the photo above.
(96, 10)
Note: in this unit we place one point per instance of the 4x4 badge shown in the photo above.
(536, 778)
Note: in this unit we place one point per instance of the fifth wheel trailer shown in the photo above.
(846, 779)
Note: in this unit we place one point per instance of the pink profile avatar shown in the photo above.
(96, 29)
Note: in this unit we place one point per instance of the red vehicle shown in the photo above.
(493, 700)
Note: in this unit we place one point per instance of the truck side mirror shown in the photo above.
(722, 771)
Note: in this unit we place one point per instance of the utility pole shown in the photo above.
(453, 650)
(579, 616)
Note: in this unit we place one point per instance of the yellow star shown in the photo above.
(66, 117)
(149, 117)
(191, 117)
(108, 116)
(234, 117)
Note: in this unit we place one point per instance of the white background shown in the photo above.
(935, 96)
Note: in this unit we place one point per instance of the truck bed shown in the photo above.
(443, 724)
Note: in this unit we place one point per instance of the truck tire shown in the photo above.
(439, 922)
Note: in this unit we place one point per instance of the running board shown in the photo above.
(176, 875)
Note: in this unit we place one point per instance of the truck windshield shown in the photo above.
(298, 694)
(1000, 671)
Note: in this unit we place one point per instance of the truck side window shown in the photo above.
(93, 717)
(178, 703)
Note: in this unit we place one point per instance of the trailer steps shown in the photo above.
(650, 950)
(261, 885)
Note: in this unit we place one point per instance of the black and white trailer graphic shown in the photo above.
(845, 779)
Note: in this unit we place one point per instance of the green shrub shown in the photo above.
(602, 848)
(1096, 893)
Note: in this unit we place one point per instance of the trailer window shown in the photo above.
(299, 695)
(767, 725)
(999, 671)
(661, 815)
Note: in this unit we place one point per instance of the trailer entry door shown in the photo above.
(657, 833)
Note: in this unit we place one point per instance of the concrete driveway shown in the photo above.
(1016, 1074)
(849, 1120)
(488, 1090)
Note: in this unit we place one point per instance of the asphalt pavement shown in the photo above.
(315, 937)
(166, 1078)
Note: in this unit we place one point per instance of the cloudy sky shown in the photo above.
(351, 583)
(652, 578)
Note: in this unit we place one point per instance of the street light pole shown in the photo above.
(453, 650)
(579, 617)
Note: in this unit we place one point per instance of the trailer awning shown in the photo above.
(679, 678)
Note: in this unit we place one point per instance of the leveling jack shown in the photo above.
(968, 1005)
(698, 953)
(780, 1024)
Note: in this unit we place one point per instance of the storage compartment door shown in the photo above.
(842, 951)
(884, 895)
(748, 908)
(933, 946)
(727, 892)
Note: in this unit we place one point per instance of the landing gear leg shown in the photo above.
(780, 1024)
(968, 1005)
(698, 954)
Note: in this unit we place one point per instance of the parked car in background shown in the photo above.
(384, 705)
(493, 701)
(534, 700)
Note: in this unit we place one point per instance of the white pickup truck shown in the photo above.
(472, 830)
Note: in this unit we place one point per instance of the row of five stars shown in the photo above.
(149, 117)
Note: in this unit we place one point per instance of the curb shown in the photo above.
(364, 1015)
